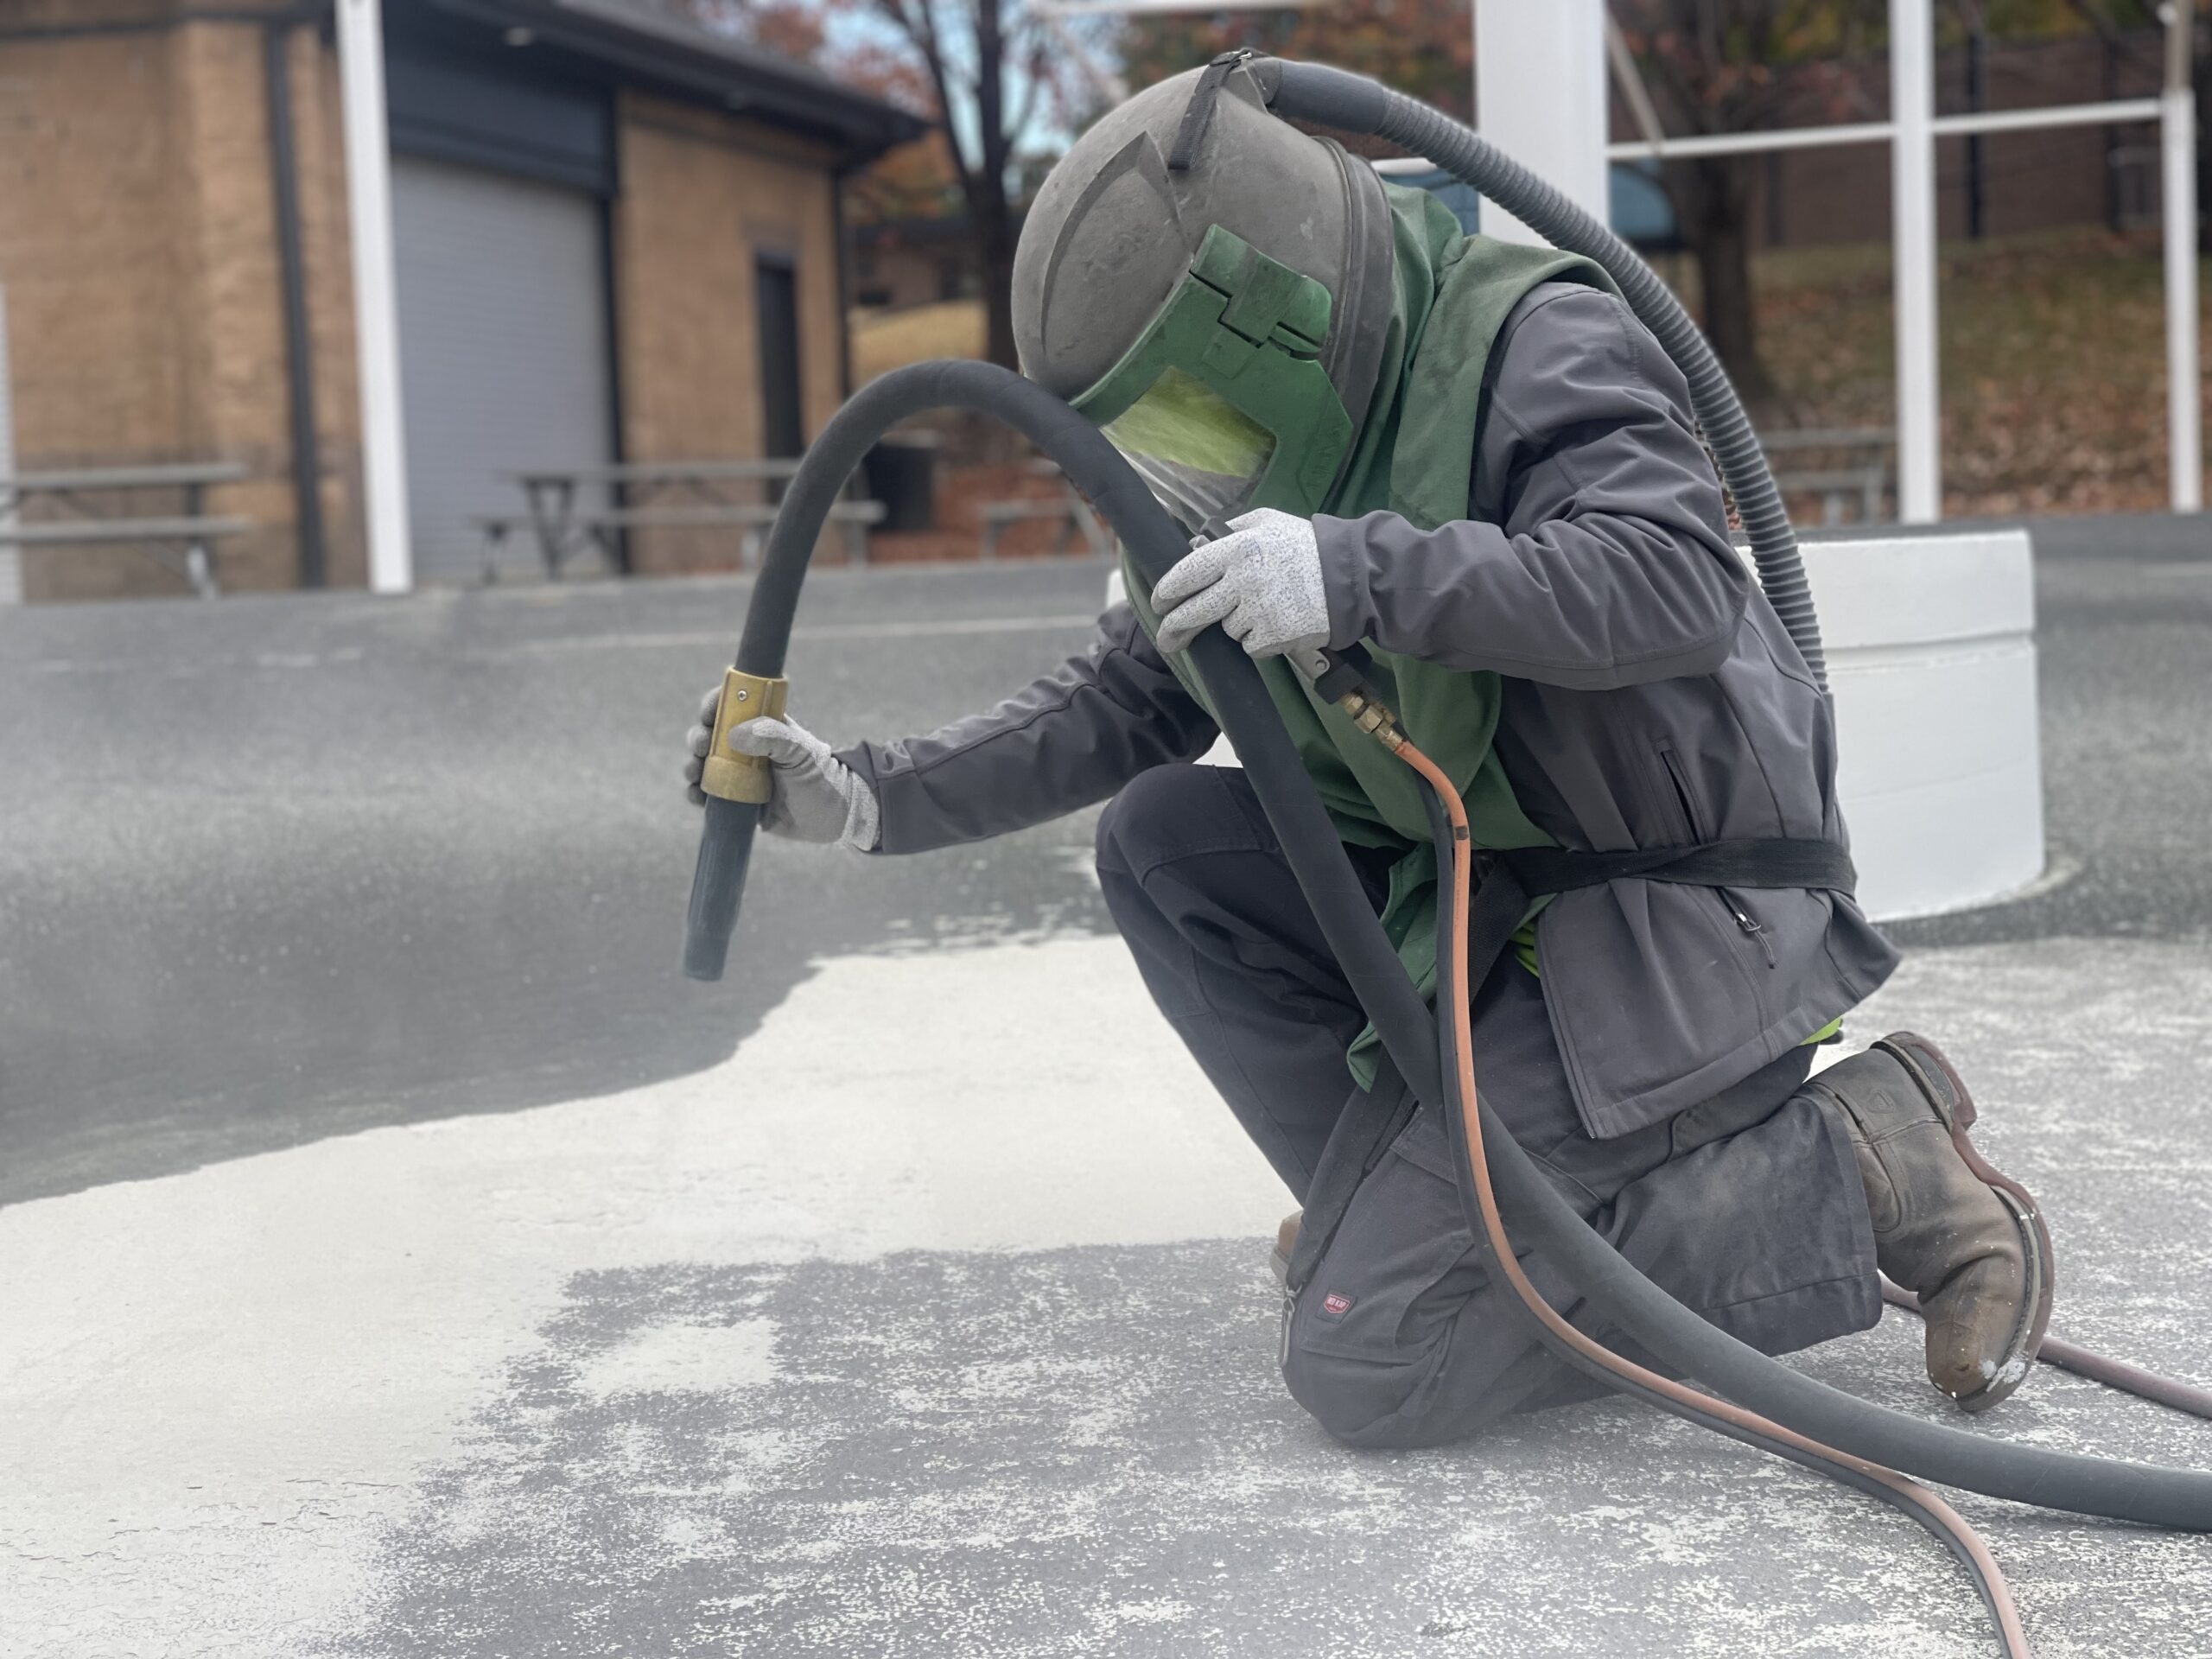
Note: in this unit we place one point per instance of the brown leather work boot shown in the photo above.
(1286, 1242)
(1970, 1242)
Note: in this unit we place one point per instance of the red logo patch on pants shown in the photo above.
(1335, 1306)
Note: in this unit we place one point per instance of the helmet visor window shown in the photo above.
(1221, 403)
(1184, 422)
(1194, 496)
(1200, 456)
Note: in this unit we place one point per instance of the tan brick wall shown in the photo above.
(137, 247)
(239, 395)
(89, 259)
(701, 195)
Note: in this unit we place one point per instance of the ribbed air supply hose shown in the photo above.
(1350, 103)
(2167, 1497)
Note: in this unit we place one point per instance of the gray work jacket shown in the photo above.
(1651, 699)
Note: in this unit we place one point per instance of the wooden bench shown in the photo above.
(192, 533)
(601, 524)
(1068, 507)
(659, 495)
(1843, 466)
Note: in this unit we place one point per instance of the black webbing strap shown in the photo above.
(1198, 114)
(1370, 1122)
(1511, 880)
(1709, 864)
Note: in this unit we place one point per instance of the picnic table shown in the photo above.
(181, 542)
(1066, 505)
(657, 495)
(1844, 466)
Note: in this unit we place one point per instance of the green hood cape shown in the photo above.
(1453, 294)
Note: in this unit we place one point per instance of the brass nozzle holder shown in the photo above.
(741, 776)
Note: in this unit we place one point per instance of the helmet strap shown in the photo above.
(1198, 114)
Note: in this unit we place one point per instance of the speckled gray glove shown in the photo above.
(1262, 582)
(814, 797)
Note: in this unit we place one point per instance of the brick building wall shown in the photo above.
(142, 308)
(703, 196)
(139, 253)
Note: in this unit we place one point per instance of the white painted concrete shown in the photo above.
(214, 1387)
(219, 1391)
(686, 1358)
(1932, 661)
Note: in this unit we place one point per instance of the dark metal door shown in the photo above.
(775, 297)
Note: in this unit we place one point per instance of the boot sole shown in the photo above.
(1946, 1092)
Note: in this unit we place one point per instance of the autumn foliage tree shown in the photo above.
(990, 70)
(920, 180)
(1736, 65)
(1422, 47)
(1712, 66)
(985, 73)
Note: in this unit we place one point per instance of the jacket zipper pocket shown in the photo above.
(1744, 921)
(1698, 832)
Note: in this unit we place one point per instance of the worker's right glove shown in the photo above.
(813, 795)
(1262, 582)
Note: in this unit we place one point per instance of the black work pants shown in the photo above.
(1747, 1207)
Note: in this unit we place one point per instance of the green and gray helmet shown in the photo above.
(1212, 287)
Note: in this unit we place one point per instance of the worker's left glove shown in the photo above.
(813, 797)
(1262, 582)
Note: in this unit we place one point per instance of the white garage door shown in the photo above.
(503, 353)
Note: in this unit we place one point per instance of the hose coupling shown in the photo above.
(1339, 676)
(742, 777)
(1371, 717)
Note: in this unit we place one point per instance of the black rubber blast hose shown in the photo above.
(1090, 461)
(1350, 103)
(2123, 1491)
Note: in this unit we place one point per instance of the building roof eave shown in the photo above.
(691, 62)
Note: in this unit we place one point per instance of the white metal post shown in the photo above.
(1912, 192)
(12, 557)
(1540, 96)
(376, 310)
(2177, 135)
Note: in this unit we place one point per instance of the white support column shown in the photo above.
(1540, 96)
(376, 310)
(2178, 169)
(1912, 197)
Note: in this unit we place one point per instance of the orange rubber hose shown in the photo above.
(2007, 1616)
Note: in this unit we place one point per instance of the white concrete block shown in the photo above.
(1932, 661)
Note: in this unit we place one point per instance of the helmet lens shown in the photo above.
(1200, 454)
(1194, 496)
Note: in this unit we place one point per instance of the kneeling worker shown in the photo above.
(1469, 455)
